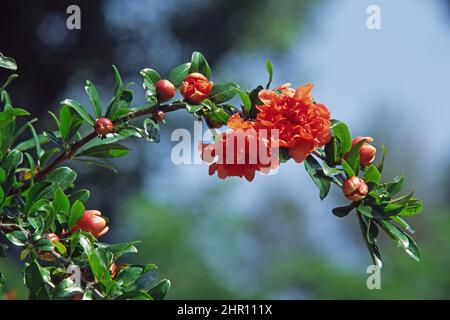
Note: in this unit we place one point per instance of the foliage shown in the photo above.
(44, 214)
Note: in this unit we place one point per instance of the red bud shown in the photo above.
(165, 90)
(92, 222)
(103, 126)
(196, 87)
(355, 188)
(159, 116)
(367, 151)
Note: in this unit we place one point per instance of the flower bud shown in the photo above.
(114, 269)
(196, 87)
(51, 236)
(159, 116)
(103, 126)
(165, 90)
(212, 124)
(367, 151)
(92, 222)
(355, 188)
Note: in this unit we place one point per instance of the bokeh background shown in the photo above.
(272, 238)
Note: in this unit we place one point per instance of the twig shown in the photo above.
(70, 152)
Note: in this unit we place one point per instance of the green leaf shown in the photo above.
(413, 206)
(353, 156)
(99, 261)
(117, 77)
(381, 165)
(120, 249)
(372, 174)
(39, 190)
(76, 213)
(159, 291)
(92, 92)
(86, 244)
(402, 223)
(343, 211)
(403, 239)
(10, 115)
(134, 295)
(18, 238)
(340, 132)
(316, 172)
(194, 108)
(30, 143)
(62, 178)
(129, 276)
(330, 171)
(369, 211)
(348, 170)
(79, 109)
(177, 74)
(98, 163)
(372, 231)
(218, 115)
(61, 202)
(223, 92)
(151, 130)
(395, 233)
(403, 199)
(150, 74)
(36, 278)
(9, 165)
(8, 81)
(247, 103)
(270, 72)
(48, 154)
(123, 101)
(199, 64)
(44, 245)
(66, 289)
(81, 195)
(149, 84)
(70, 122)
(8, 63)
(395, 186)
(60, 247)
(372, 247)
(112, 150)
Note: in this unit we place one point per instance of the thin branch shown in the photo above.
(70, 152)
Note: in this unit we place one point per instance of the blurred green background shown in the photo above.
(272, 238)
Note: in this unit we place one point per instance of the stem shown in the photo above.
(337, 181)
(73, 148)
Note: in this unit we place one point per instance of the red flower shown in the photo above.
(92, 222)
(251, 151)
(303, 125)
(195, 87)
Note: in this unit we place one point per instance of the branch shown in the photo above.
(70, 152)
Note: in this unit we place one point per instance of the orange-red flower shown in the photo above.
(239, 152)
(195, 87)
(92, 222)
(303, 125)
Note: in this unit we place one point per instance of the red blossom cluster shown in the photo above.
(288, 118)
